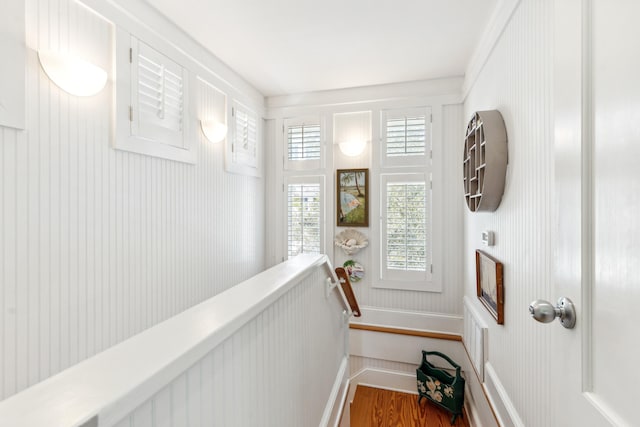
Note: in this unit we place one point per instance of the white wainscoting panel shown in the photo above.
(517, 80)
(97, 244)
(280, 369)
(475, 337)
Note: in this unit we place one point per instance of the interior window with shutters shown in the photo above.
(244, 148)
(406, 136)
(405, 227)
(303, 139)
(304, 216)
(154, 88)
(158, 91)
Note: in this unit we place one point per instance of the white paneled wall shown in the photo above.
(97, 244)
(277, 370)
(448, 128)
(450, 299)
(516, 80)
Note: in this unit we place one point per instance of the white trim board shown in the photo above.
(400, 348)
(335, 404)
(447, 89)
(412, 320)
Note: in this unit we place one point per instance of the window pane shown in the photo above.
(303, 210)
(406, 221)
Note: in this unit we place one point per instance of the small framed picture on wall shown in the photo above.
(352, 202)
(489, 285)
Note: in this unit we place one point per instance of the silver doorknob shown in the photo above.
(544, 312)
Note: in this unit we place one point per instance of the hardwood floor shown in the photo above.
(374, 407)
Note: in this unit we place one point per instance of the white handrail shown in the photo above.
(113, 383)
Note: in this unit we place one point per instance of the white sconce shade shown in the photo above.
(352, 148)
(72, 74)
(213, 130)
(352, 131)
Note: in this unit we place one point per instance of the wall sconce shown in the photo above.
(351, 132)
(72, 74)
(214, 130)
(352, 148)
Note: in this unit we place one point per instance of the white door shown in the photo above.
(595, 369)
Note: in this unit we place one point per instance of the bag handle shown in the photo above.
(444, 356)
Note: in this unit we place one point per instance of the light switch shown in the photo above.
(487, 238)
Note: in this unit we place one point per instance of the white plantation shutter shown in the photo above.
(405, 227)
(158, 91)
(406, 137)
(304, 217)
(304, 139)
(303, 142)
(245, 141)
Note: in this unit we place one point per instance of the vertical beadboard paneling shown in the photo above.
(278, 369)
(517, 81)
(96, 244)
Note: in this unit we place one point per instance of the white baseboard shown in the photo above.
(335, 405)
(381, 378)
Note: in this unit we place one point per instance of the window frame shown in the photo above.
(127, 121)
(306, 179)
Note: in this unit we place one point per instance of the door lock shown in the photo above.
(544, 312)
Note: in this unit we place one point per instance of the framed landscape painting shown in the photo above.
(352, 203)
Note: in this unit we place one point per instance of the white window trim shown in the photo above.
(304, 164)
(412, 160)
(124, 138)
(314, 179)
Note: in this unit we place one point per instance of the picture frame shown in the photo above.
(489, 284)
(352, 197)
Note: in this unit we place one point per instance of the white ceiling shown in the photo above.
(294, 46)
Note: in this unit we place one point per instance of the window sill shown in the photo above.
(422, 286)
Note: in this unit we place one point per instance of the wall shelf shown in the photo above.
(485, 160)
